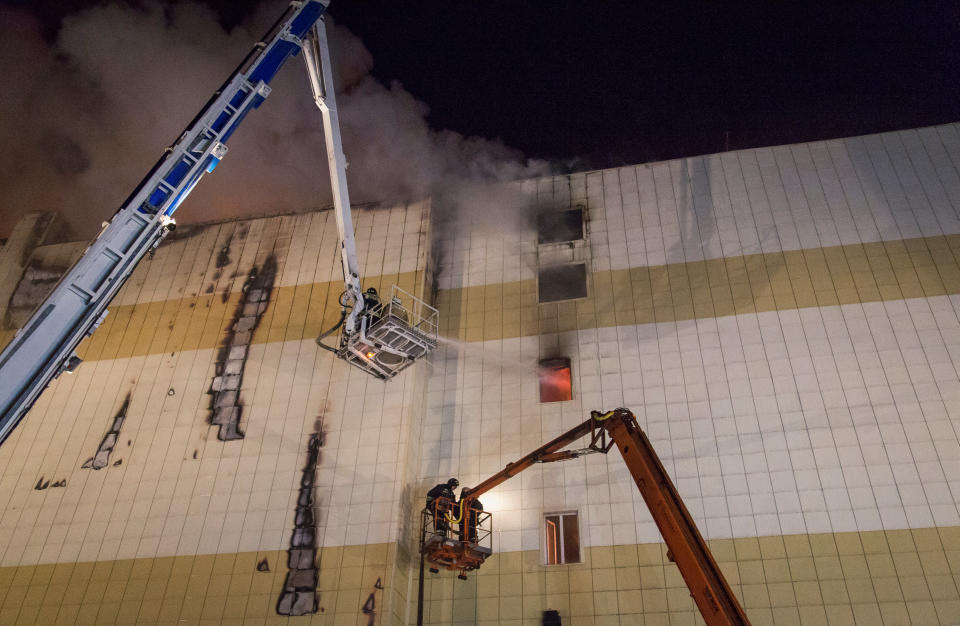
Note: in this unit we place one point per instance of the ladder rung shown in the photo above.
(80, 291)
(114, 252)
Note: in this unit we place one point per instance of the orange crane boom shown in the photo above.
(686, 547)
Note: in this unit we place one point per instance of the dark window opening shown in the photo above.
(562, 282)
(555, 380)
(560, 226)
(562, 538)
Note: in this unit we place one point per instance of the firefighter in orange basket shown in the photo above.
(470, 514)
(440, 501)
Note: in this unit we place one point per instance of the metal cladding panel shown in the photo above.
(157, 198)
(238, 98)
(34, 348)
(33, 358)
(176, 175)
(219, 123)
(208, 165)
(307, 18)
(271, 63)
(233, 127)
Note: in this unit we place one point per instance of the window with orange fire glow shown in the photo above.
(555, 380)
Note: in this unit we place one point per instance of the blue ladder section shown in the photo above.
(46, 344)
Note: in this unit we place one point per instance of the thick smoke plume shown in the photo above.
(82, 121)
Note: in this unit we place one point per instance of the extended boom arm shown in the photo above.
(381, 338)
(708, 587)
(316, 56)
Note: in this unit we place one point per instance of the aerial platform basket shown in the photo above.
(460, 543)
(391, 335)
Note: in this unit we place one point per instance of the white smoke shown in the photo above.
(83, 120)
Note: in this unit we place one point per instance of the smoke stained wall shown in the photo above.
(299, 595)
(85, 118)
(226, 405)
(101, 458)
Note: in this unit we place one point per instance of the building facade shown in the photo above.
(782, 321)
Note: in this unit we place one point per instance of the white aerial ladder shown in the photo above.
(380, 338)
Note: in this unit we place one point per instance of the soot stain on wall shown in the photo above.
(224, 259)
(299, 595)
(102, 457)
(41, 484)
(225, 406)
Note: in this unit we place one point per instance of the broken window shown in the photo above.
(555, 380)
(562, 534)
(557, 227)
(562, 282)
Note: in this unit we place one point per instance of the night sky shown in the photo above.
(620, 82)
(593, 85)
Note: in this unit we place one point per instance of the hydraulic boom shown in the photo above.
(380, 337)
(686, 547)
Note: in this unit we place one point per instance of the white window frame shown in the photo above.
(544, 553)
